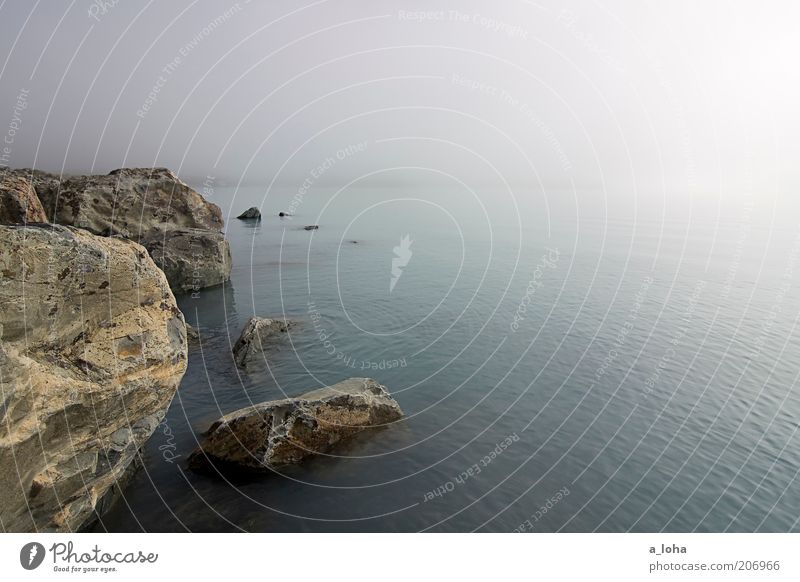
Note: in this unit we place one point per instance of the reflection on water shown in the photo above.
(650, 374)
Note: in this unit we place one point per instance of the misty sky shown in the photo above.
(622, 95)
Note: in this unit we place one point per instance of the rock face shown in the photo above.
(251, 213)
(151, 206)
(284, 432)
(257, 332)
(18, 201)
(191, 258)
(93, 349)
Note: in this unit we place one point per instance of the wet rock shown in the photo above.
(86, 376)
(252, 213)
(256, 335)
(192, 333)
(284, 432)
(18, 201)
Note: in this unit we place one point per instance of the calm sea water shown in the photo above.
(558, 372)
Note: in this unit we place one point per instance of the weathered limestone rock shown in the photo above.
(18, 201)
(283, 432)
(257, 332)
(151, 206)
(191, 258)
(137, 203)
(251, 213)
(93, 349)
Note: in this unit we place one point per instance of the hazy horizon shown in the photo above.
(545, 95)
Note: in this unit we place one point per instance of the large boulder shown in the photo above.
(18, 201)
(137, 203)
(258, 332)
(151, 206)
(93, 349)
(191, 258)
(283, 432)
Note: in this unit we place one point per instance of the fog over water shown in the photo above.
(596, 206)
(651, 104)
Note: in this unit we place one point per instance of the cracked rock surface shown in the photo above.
(284, 432)
(92, 349)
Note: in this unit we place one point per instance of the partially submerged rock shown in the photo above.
(18, 201)
(257, 332)
(311, 227)
(284, 432)
(192, 333)
(93, 349)
(251, 213)
(151, 206)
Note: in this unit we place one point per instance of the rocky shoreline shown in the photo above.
(93, 346)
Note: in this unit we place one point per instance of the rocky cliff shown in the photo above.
(92, 351)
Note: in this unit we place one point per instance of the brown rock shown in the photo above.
(18, 201)
(152, 206)
(283, 432)
(257, 333)
(93, 348)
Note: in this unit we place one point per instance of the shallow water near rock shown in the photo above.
(566, 370)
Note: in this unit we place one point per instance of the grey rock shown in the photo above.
(191, 258)
(151, 206)
(251, 213)
(192, 333)
(255, 337)
(93, 349)
(284, 432)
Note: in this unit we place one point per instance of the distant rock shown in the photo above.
(353, 242)
(256, 333)
(18, 201)
(251, 213)
(283, 214)
(93, 349)
(284, 432)
(151, 206)
(311, 227)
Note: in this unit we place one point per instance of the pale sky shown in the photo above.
(690, 96)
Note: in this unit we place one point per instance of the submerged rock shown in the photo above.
(151, 206)
(284, 432)
(251, 213)
(251, 343)
(18, 201)
(93, 349)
